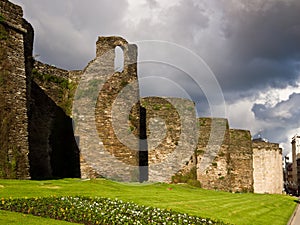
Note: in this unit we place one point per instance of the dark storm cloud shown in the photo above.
(66, 31)
(280, 119)
(249, 46)
(264, 46)
(285, 112)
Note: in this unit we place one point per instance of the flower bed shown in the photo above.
(99, 211)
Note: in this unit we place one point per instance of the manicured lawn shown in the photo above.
(22, 219)
(228, 207)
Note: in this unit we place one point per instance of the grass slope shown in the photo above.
(24, 219)
(228, 207)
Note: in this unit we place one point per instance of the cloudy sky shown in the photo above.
(252, 48)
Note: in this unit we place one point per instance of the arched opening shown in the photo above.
(119, 59)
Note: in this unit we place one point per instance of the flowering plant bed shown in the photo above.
(97, 210)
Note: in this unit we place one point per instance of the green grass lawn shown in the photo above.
(24, 219)
(228, 207)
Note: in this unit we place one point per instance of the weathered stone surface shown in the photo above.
(171, 135)
(14, 146)
(267, 164)
(106, 124)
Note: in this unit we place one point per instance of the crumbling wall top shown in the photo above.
(11, 15)
(263, 145)
(105, 44)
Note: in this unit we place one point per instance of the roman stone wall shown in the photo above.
(106, 123)
(53, 149)
(231, 168)
(212, 171)
(14, 85)
(267, 165)
(60, 85)
(240, 166)
(171, 135)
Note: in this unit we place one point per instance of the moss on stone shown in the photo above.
(66, 91)
(3, 32)
(189, 178)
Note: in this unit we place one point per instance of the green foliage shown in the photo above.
(2, 19)
(156, 107)
(189, 178)
(97, 210)
(194, 183)
(168, 106)
(221, 154)
(66, 92)
(200, 152)
(124, 83)
(60, 81)
(3, 33)
(214, 164)
(2, 80)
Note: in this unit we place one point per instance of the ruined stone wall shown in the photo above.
(60, 85)
(107, 127)
(171, 135)
(231, 169)
(15, 32)
(240, 166)
(215, 175)
(53, 149)
(267, 165)
(52, 141)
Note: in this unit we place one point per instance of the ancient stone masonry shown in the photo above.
(15, 34)
(36, 134)
(60, 85)
(103, 116)
(231, 169)
(241, 165)
(120, 136)
(267, 165)
(171, 135)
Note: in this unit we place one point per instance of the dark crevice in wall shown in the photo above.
(143, 153)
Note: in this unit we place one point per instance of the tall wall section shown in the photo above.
(241, 160)
(267, 165)
(215, 175)
(171, 135)
(106, 124)
(53, 149)
(16, 36)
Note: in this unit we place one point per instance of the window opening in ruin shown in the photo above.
(119, 59)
